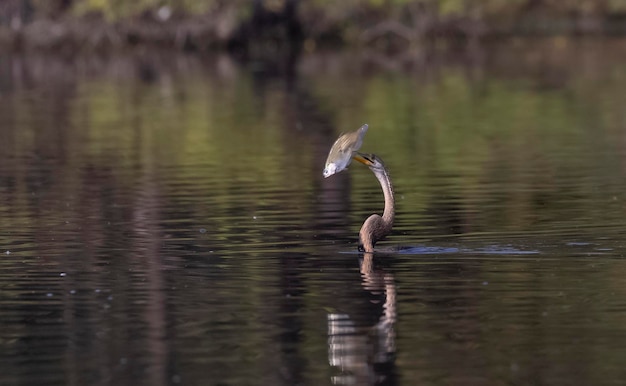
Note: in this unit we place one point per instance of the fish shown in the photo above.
(343, 150)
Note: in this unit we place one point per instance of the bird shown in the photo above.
(343, 150)
(375, 226)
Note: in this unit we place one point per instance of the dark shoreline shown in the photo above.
(268, 32)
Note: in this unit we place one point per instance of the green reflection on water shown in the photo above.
(202, 190)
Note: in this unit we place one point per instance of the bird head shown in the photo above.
(370, 160)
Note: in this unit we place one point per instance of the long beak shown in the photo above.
(363, 158)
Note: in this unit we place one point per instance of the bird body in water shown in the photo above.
(343, 150)
(376, 226)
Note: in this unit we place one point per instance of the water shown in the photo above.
(165, 220)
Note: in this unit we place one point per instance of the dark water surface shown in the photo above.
(165, 220)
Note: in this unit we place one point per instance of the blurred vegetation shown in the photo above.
(204, 24)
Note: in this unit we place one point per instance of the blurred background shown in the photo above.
(247, 24)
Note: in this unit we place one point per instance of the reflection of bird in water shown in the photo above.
(376, 227)
(365, 354)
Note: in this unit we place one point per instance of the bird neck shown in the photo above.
(389, 211)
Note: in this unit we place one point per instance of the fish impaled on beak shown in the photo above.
(343, 150)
